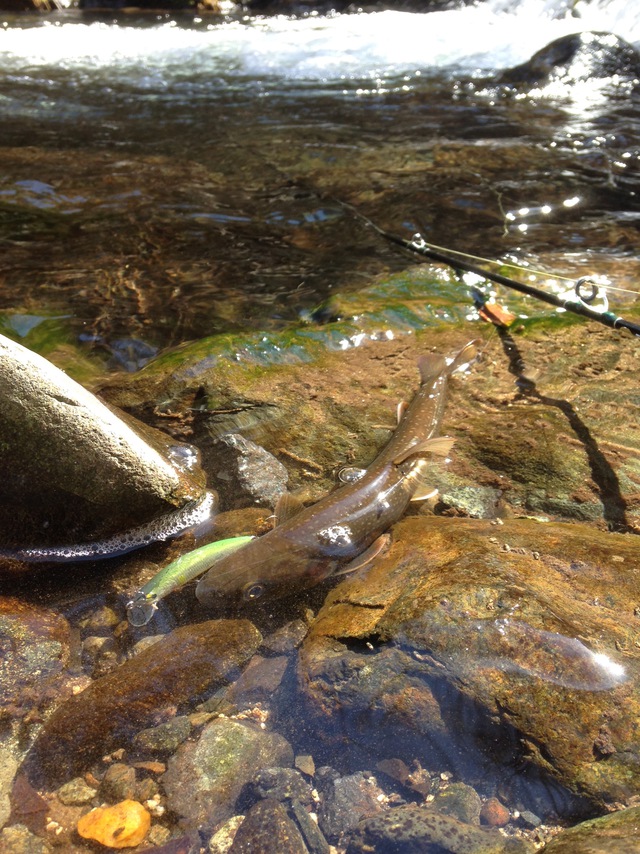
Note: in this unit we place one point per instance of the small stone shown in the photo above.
(345, 801)
(118, 783)
(100, 621)
(282, 784)
(146, 789)
(494, 813)
(222, 839)
(164, 738)
(259, 681)
(124, 825)
(530, 819)
(394, 768)
(158, 835)
(267, 827)
(151, 767)
(19, 840)
(287, 638)
(308, 826)
(76, 792)
(460, 801)
(304, 762)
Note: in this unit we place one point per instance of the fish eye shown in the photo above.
(253, 591)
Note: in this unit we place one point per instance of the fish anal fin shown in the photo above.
(287, 506)
(440, 446)
(368, 556)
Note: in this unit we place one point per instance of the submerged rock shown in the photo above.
(35, 646)
(79, 480)
(484, 645)
(416, 829)
(112, 709)
(205, 778)
(123, 825)
(268, 829)
(618, 833)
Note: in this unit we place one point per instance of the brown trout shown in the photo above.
(344, 531)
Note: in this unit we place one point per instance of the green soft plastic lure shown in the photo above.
(141, 608)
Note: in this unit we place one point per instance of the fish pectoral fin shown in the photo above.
(424, 492)
(287, 506)
(400, 410)
(368, 556)
(440, 446)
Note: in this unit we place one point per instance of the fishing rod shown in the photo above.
(584, 293)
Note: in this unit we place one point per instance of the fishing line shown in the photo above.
(578, 301)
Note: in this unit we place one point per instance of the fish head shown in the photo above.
(260, 573)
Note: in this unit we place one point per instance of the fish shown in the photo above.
(345, 530)
(144, 602)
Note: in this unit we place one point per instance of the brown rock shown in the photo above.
(183, 664)
(494, 813)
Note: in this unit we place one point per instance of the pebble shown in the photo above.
(222, 839)
(259, 681)
(118, 783)
(494, 813)
(19, 840)
(124, 825)
(460, 801)
(304, 762)
(346, 800)
(76, 792)
(282, 784)
(286, 638)
(164, 738)
(530, 818)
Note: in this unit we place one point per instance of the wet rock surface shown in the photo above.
(414, 829)
(36, 647)
(111, 710)
(72, 470)
(204, 779)
(466, 634)
(610, 834)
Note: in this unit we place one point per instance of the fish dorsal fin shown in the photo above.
(367, 556)
(440, 446)
(431, 365)
(287, 506)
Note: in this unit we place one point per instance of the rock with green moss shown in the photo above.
(618, 833)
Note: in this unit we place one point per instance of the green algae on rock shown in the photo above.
(79, 480)
(521, 636)
(617, 833)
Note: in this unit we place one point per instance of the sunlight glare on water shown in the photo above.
(476, 39)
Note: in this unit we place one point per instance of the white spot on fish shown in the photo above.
(337, 535)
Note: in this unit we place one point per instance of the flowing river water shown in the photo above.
(166, 178)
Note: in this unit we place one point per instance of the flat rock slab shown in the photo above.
(182, 665)
(522, 636)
